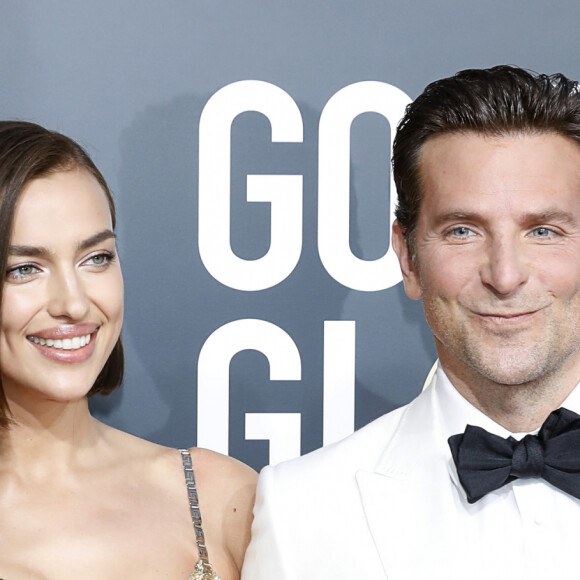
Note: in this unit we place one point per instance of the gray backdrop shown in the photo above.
(129, 80)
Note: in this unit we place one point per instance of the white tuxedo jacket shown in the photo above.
(386, 503)
(360, 508)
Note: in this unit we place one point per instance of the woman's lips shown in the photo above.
(67, 343)
(73, 343)
(66, 331)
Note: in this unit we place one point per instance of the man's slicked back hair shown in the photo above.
(494, 102)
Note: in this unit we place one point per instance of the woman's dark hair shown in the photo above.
(29, 151)
(495, 102)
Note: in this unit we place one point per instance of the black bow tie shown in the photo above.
(486, 462)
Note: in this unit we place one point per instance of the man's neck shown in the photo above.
(518, 408)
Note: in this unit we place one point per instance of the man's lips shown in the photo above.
(508, 317)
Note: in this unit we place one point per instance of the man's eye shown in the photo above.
(542, 233)
(461, 232)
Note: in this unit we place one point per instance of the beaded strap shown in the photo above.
(203, 569)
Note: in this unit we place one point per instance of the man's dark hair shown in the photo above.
(498, 101)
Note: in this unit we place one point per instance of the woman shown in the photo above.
(79, 499)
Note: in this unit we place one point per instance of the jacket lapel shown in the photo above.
(406, 499)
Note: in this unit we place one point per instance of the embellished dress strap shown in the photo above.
(203, 569)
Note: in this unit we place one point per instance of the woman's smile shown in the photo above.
(71, 343)
(62, 307)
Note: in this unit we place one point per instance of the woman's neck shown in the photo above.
(48, 438)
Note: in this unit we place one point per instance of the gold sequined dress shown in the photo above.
(203, 569)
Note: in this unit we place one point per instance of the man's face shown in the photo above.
(498, 255)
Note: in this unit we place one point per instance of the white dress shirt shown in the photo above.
(527, 529)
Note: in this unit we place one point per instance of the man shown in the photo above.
(487, 167)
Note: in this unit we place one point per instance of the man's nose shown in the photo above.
(67, 297)
(505, 267)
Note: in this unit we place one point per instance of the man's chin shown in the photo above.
(506, 371)
(500, 362)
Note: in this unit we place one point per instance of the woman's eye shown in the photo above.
(100, 259)
(21, 272)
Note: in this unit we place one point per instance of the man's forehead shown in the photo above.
(513, 157)
(438, 143)
(460, 172)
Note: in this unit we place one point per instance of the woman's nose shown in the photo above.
(67, 296)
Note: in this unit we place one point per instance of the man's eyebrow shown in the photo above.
(454, 216)
(42, 252)
(549, 215)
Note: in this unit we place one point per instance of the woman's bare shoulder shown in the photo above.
(224, 479)
(227, 489)
(158, 466)
(226, 470)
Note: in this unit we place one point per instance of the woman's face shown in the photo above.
(62, 307)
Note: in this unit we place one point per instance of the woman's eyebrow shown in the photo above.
(96, 239)
(33, 251)
(42, 252)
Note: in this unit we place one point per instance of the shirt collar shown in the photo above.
(456, 412)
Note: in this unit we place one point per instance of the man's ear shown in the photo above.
(408, 267)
